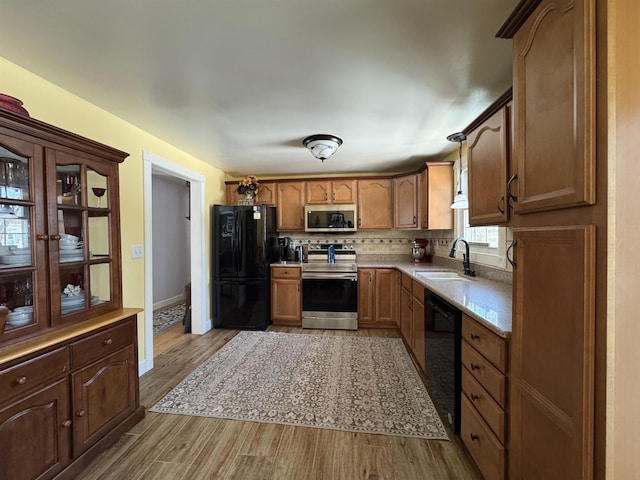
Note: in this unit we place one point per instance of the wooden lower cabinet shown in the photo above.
(286, 296)
(483, 426)
(412, 317)
(377, 297)
(58, 412)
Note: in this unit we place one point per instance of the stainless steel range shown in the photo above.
(330, 287)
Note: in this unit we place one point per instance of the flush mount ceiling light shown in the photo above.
(322, 146)
(460, 201)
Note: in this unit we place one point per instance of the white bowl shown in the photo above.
(67, 237)
(18, 319)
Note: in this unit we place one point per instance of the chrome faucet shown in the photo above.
(465, 256)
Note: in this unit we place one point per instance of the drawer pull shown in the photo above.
(474, 437)
(66, 423)
(475, 367)
(81, 413)
(108, 341)
(21, 380)
(475, 397)
(474, 336)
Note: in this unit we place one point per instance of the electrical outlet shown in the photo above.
(137, 251)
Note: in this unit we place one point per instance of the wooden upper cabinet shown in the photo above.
(232, 195)
(405, 193)
(291, 200)
(375, 199)
(554, 106)
(267, 193)
(345, 191)
(319, 192)
(487, 160)
(436, 196)
(325, 192)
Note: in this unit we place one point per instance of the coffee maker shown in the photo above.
(419, 251)
(283, 248)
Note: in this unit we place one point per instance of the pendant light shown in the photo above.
(460, 201)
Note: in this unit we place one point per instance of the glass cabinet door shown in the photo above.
(18, 273)
(83, 227)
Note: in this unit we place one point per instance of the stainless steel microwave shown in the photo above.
(330, 218)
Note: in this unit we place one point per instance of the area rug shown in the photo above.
(356, 384)
(167, 317)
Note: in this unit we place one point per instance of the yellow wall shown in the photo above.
(51, 104)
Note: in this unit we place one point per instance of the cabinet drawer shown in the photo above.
(492, 379)
(25, 376)
(492, 413)
(486, 342)
(101, 344)
(285, 272)
(486, 450)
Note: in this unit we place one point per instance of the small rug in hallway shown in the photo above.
(357, 384)
(167, 317)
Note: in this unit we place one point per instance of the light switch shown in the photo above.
(137, 251)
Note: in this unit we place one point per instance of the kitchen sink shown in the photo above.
(440, 276)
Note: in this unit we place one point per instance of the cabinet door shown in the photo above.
(319, 192)
(267, 194)
(366, 295)
(23, 239)
(552, 354)
(417, 320)
(84, 242)
(35, 434)
(291, 200)
(405, 194)
(487, 159)
(232, 194)
(436, 197)
(554, 106)
(345, 191)
(386, 296)
(374, 204)
(104, 394)
(406, 315)
(285, 302)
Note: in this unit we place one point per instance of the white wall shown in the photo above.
(171, 252)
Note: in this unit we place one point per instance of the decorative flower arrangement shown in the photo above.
(248, 186)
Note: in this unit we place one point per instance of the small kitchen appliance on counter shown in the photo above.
(419, 251)
(283, 248)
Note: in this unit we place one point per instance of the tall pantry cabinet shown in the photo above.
(559, 225)
(68, 354)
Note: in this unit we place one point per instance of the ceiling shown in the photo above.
(240, 83)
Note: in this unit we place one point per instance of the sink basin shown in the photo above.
(440, 276)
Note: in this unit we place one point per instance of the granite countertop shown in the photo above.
(486, 301)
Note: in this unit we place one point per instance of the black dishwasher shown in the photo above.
(443, 368)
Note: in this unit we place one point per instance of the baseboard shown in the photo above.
(144, 367)
(168, 302)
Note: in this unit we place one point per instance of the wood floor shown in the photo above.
(169, 447)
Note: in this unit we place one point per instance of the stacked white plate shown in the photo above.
(70, 304)
(20, 316)
(70, 253)
(17, 256)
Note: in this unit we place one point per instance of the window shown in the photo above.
(487, 245)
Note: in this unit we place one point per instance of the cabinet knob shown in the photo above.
(55, 237)
(474, 437)
(81, 413)
(475, 367)
(66, 423)
(475, 397)
(42, 236)
(107, 341)
(474, 336)
(21, 380)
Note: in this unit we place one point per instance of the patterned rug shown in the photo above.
(357, 384)
(167, 317)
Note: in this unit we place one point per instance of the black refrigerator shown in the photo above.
(245, 244)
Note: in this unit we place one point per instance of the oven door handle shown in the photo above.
(330, 276)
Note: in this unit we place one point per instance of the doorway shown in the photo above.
(200, 323)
